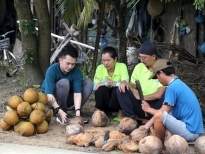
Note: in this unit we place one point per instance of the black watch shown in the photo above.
(56, 110)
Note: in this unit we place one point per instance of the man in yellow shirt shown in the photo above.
(152, 89)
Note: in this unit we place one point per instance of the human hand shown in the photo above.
(145, 106)
(123, 85)
(63, 115)
(110, 82)
(144, 127)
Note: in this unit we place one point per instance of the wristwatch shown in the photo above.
(56, 110)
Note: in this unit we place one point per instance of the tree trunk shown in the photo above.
(32, 73)
(44, 34)
(2, 10)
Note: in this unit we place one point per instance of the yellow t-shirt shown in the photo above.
(120, 74)
(142, 74)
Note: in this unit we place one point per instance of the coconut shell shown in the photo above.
(37, 117)
(26, 129)
(4, 126)
(127, 125)
(24, 109)
(42, 128)
(76, 120)
(176, 144)
(150, 144)
(14, 101)
(128, 146)
(48, 114)
(199, 145)
(11, 117)
(138, 134)
(31, 95)
(99, 119)
(43, 98)
(82, 139)
(74, 129)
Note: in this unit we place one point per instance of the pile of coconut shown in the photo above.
(27, 115)
(128, 138)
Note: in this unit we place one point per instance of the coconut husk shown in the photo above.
(82, 139)
(155, 7)
(138, 134)
(116, 135)
(111, 144)
(128, 146)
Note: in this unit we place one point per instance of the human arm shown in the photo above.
(54, 104)
(156, 95)
(77, 102)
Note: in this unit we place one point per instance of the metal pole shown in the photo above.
(102, 10)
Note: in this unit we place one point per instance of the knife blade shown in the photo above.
(106, 137)
(139, 88)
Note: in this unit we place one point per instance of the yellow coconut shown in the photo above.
(43, 98)
(4, 125)
(31, 95)
(14, 101)
(38, 106)
(37, 117)
(24, 109)
(11, 117)
(48, 114)
(26, 129)
(17, 126)
(42, 128)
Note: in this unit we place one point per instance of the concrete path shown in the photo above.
(9, 148)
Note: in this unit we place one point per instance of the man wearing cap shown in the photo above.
(152, 90)
(180, 113)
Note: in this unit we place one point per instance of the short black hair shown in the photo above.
(168, 71)
(68, 50)
(111, 51)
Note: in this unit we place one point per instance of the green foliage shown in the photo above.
(72, 12)
(27, 56)
(27, 27)
(199, 4)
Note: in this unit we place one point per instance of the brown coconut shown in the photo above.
(138, 134)
(48, 114)
(76, 120)
(31, 95)
(11, 117)
(42, 128)
(37, 117)
(199, 145)
(4, 126)
(73, 129)
(17, 126)
(177, 145)
(26, 129)
(38, 106)
(14, 101)
(150, 144)
(43, 98)
(99, 119)
(127, 125)
(24, 109)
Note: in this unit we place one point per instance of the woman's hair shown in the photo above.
(111, 51)
(68, 50)
(168, 71)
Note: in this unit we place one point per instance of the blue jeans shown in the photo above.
(177, 127)
(64, 96)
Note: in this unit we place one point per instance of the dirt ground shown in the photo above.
(56, 135)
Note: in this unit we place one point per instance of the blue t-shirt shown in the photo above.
(185, 105)
(54, 74)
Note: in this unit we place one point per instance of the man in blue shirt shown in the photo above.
(180, 113)
(65, 86)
